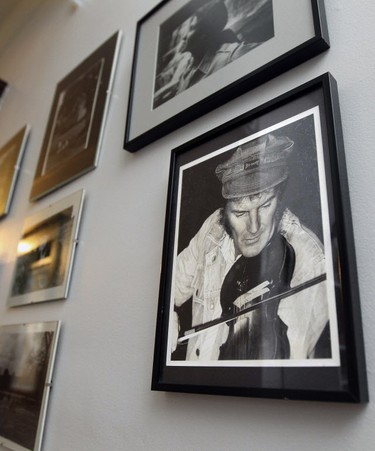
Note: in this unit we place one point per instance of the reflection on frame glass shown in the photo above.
(191, 56)
(11, 155)
(252, 299)
(75, 127)
(45, 253)
(27, 354)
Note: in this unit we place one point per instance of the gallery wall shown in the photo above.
(101, 397)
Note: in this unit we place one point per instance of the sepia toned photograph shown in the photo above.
(76, 122)
(27, 353)
(45, 253)
(192, 56)
(251, 288)
(11, 154)
(205, 36)
(73, 118)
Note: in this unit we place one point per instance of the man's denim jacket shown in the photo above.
(202, 266)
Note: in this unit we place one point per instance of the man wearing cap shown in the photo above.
(252, 249)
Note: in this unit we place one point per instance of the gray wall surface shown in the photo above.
(101, 399)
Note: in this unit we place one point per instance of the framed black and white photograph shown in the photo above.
(46, 251)
(76, 122)
(27, 355)
(11, 154)
(191, 56)
(258, 293)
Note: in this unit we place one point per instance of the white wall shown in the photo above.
(101, 398)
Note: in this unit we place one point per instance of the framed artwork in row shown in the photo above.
(27, 356)
(192, 56)
(11, 154)
(76, 122)
(46, 251)
(259, 294)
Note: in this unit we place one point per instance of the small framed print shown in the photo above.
(75, 126)
(192, 56)
(11, 154)
(27, 356)
(46, 252)
(259, 294)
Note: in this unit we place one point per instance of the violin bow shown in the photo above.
(225, 319)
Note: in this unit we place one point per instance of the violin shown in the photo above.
(260, 334)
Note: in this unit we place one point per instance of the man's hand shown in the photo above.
(242, 301)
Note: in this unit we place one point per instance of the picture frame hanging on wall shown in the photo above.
(46, 252)
(192, 56)
(76, 122)
(27, 356)
(259, 294)
(11, 154)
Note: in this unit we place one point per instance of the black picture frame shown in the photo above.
(27, 354)
(269, 48)
(76, 122)
(317, 193)
(11, 155)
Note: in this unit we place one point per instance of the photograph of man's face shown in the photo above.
(251, 227)
(204, 37)
(251, 221)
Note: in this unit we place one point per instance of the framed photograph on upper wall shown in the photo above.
(259, 293)
(76, 122)
(11, 154)
(27, 356)
(46, 251)
(192, 56)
